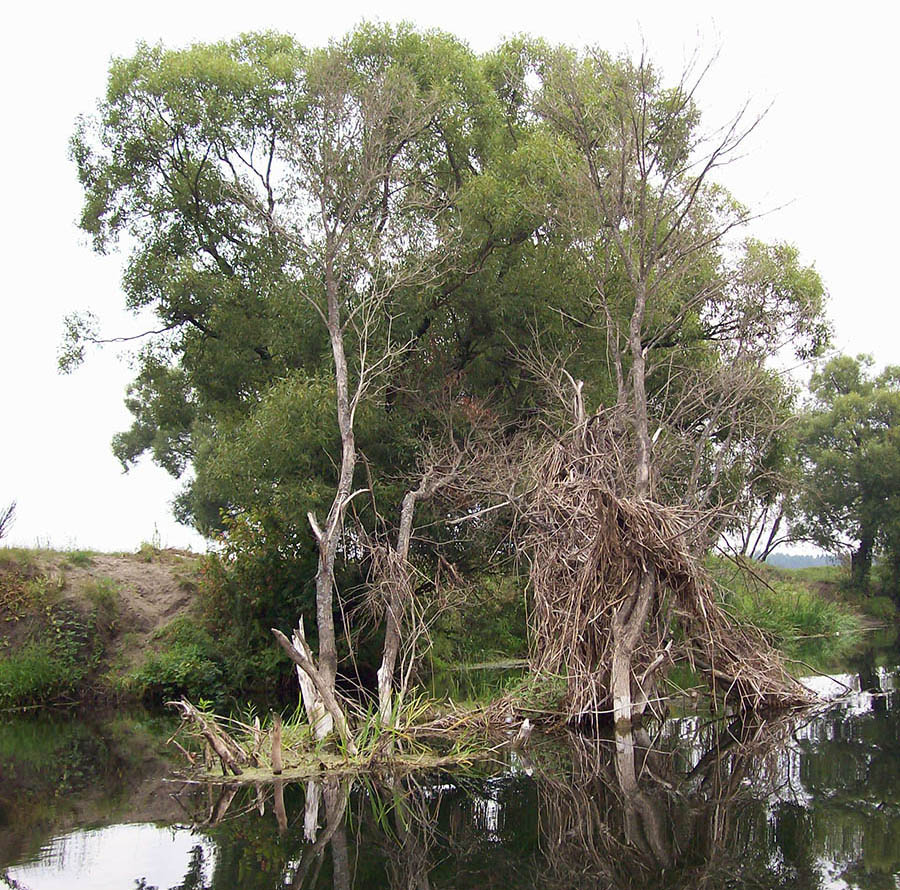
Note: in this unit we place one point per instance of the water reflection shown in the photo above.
(811, 801)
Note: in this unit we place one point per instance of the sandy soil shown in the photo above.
(150, 590)
(150, 593)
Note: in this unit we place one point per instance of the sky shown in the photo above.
(818, 169)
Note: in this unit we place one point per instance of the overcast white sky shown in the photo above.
(824, 154)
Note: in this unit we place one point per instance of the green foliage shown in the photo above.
(542, 693)
(248, 178)
(833, 575)
(103, 593)
(147, 552)
(490, 623)
(34, 675)
(55, 664)
(796, 619)
(850, 451)
(880, 607)
(259, 580)
(22, 558)
(80, 559)
(474, 684)
(184, 661)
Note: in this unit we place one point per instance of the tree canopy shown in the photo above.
(849, 448)
(359, 253)
(215, 161)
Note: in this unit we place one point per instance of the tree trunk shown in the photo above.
(325, 671)
(277, 763)
(639, 393)
(335, 804)
(303, 658)
(395, 607)
(895, 575)
(627, 624)
(329, 537)
(319, 719)
(861, 562)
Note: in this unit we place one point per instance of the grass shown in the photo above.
(55, 664)
(881, 608)
(34, 675)
(147, 552)
(18, 557)
(103, 593)
(80, 559)
(472, 684)
(835, 575)
(797, 619)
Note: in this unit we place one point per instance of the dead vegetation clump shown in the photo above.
(618, 593)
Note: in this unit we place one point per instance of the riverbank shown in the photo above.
(84, 627)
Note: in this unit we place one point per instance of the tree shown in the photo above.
(313, 230)
(334, 240)
(849, 447)
(690, 317)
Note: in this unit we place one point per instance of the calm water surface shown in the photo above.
(807, 802)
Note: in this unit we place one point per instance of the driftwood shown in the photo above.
(231, 755)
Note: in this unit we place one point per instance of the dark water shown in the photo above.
(810, 802)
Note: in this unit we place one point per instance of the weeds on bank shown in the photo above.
(80, 559)
(798, 620)
(53, 667)
(184, 661)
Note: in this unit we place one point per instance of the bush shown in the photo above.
(186, 663)
(257, 582)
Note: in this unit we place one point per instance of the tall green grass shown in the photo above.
(797, 619)
(35, 674)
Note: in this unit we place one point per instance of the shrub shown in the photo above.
(257, 582)
(187, 662)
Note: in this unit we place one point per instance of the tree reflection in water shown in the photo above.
(740, 803)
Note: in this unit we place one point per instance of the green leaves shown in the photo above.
(850, 448)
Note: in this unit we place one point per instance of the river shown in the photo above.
(809, 801)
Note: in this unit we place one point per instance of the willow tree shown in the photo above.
(691, 315)
(285, 209)
(849, 452)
